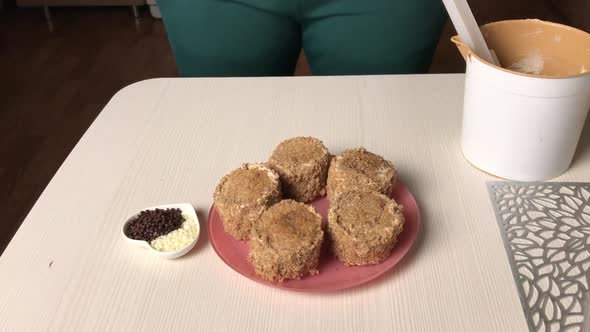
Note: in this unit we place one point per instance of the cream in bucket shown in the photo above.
(525, 126)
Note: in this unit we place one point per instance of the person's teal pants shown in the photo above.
(264, 37)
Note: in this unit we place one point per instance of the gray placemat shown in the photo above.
(546, 231)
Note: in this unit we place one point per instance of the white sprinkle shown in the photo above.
(177, 239)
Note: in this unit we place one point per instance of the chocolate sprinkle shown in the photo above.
(150, 224)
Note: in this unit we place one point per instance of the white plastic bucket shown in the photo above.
(526, 127)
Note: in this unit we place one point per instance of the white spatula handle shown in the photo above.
(468, 29)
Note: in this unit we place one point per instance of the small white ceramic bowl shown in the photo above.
(186, 210)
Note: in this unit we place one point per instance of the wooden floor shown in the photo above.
(53, 85)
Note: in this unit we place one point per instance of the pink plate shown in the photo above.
(333, 274)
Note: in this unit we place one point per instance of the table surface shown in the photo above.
(170, 140)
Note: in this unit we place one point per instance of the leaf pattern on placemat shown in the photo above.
(546, 232)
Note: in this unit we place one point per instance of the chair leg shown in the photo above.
(136, 19)
(48, 19)
(135, 10)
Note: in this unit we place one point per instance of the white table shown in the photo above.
(170, 140)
